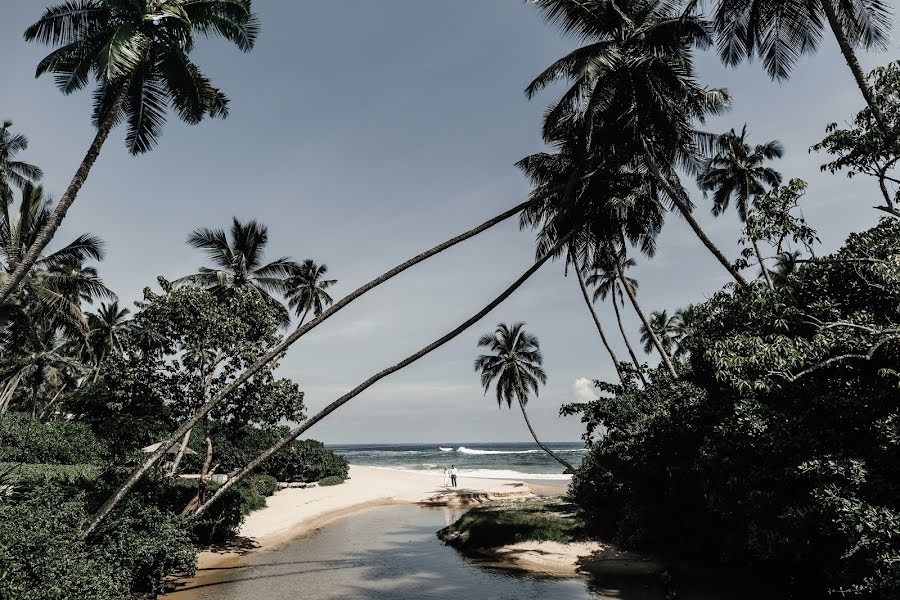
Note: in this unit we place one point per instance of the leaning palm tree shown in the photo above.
(514, 366)
(738, 171)
(634, 81)
(606, 283)
(781, 31)
(237, 260)
(664, 328)
(14, 173)
(306, 289)
(139, 55)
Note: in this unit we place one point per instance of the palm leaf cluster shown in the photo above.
(237, 260)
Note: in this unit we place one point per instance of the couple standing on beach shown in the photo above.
(451, 474)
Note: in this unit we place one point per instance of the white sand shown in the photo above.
(291, 512)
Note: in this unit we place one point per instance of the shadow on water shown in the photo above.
(392, 553)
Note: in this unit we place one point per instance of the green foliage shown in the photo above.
(25, 439)
(331, 480)
(307, 461)
(24, 473)
(500, 523)
(779, 446)
(265, 485)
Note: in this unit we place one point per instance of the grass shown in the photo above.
(501, 523)
(16, 473)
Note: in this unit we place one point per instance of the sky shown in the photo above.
(362, 133)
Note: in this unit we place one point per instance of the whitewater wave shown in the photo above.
(442, 449)
(482, 473)
(464, 450)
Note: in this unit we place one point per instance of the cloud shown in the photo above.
(583, 390)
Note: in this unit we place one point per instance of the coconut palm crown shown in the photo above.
(14, 173)
(514, 363)
(306, 289)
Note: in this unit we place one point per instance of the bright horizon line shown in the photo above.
(442, 443)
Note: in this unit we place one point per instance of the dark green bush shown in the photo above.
(766, 453)
(307, 461)
(25, 439)
(331, 480)
(265, 485)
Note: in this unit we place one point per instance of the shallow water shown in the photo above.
(392, 553)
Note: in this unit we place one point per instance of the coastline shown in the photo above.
(294, 512)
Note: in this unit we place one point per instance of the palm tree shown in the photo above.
(139, 55)
(238, 262)
(587, 301)
(737, 171)
(664, 328)
(514, 366)
(781, 31)
(786, 264)
(14, 172)
(605, 282)
(107, 326)
(306, 289)
(684, 328)
(634, 81)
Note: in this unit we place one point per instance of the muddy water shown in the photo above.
(392, 553)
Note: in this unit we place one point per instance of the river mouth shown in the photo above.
(392, 553)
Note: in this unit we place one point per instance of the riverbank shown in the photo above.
(293, 512)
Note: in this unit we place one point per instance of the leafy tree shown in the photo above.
(14, 173)
(139, 55)
(306, 289)
(664, 328)
(514, 367)
(866, 148)
(782, 31)
(737, 171)
(238, 262)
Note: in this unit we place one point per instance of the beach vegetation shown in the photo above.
(331, 480)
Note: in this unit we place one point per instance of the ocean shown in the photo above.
(493, 461)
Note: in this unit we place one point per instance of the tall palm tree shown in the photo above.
(514, 366)
(684, 328)
(14, 173)
(107, 326)
(664, 328)
(738, 171)
(606, 283)
(781, 31)
(139, 55)
(306, 289)
(634, 81)
(237, 261)
(590, 305)
(786, 264)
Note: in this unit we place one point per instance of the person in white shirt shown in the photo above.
(446, 477)
(453, 473)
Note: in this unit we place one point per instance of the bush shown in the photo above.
(307, 461)
(265, 485)
(766, 453)
(331, 480)
(29, 440)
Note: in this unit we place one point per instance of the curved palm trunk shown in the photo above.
(303, 427)
(762, 264)
(587, 300)
(634, 357)
(303, 318)
(689, 216)
(275, 352)
(552, 454)
(68, 198)
(667, 360)
(855, 67)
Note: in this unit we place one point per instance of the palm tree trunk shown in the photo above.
(305, 425)
(587, 300)
(667, 360)
(276, 351)
(762, 264)
(180, 455)
(552, 454)
(689, 216)
(59, 213)
(303, 318)
(634, 357)
(855, 67)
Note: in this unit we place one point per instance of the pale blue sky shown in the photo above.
(362, 132)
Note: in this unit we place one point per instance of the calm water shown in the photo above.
(391, 553)
(499, 461)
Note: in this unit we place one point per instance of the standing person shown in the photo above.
(453, 473)
(446, 476)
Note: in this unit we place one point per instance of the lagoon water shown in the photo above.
(497, 461)
(392, 553)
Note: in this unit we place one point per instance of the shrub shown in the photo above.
(29, 440)
(307, 460)
(331, 480)
(265, 485)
